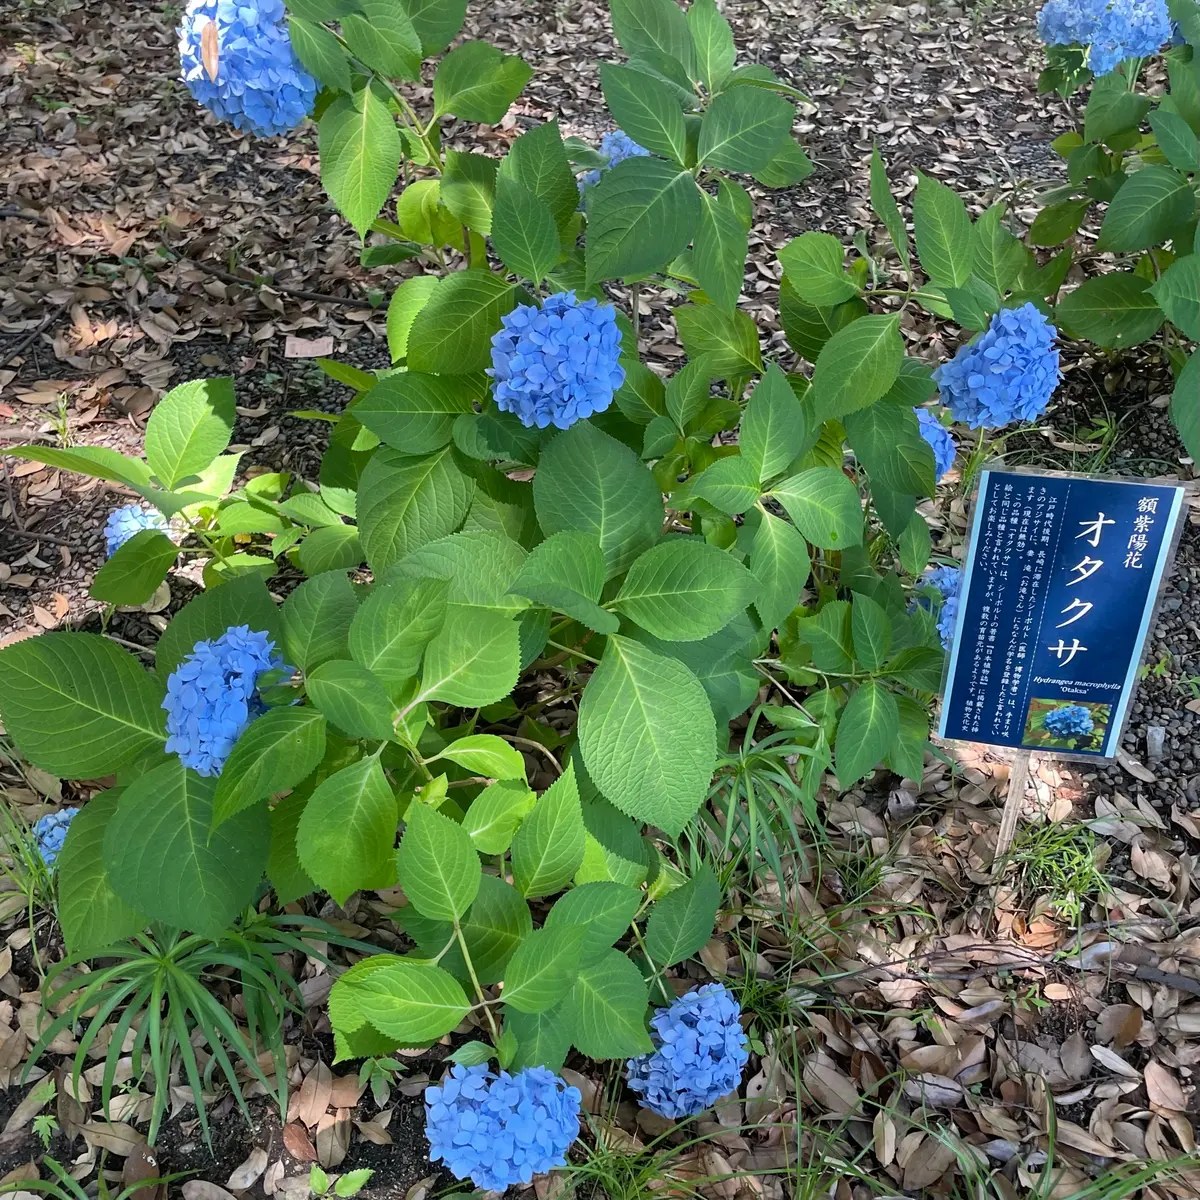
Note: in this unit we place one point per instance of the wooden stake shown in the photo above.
(1018, 779)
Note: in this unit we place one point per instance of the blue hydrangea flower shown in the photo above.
(51, 832)
(699, 1054)
(1109, 30)
(1072, 721)
(559, 363)
(616, 147)
(946, 581)
(260, 84)
(497, 1130)
(213, 695)
(1007, 374)
(123, 523)
(940, 441)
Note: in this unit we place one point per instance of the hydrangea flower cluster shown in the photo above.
(616, 147)
(699, 1054)
(1110, 30)
(1072, 721)
(51, 832)
(213, 695)
(123, 523)
(946, 581)
(497, 1130)
(1007, 374)
(940, 441)
(559, 363)
(260, 84)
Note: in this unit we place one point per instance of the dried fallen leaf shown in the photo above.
(295, 1141)
(1163, 1088)
(1114, 1062)
(1076, 1058)
(210, 49)
(114, 1136)
(243, 1176)
(313, 1099)
(200, 1189)
(39, 1096)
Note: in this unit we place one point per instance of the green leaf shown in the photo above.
(538, 161)
(360, 155)
(166, 861)
(496, 814)
(730, 484)
(396, 622)
(437, 22)
(641, 214)
(1115, 311)
(411, 1002)
(405, 503)
(1112, 108)
(320, 53)
(647, 734)
(473, 660)
(331, 548)
(613, 848)
(589, 482)
(1185, 411)
(1176, 139)
(477, 83)
(915, 545)
(608, 1008)
(743, 128)
(485, 754)
(682, 921)
(566, 573)
(813, 262)
(188, 428)
(788, 166)
(277, 751)
(1177, 293)
(857, 366)
(438, 867)
(808, 328)
(316, 620)
(684, 589)
(868, 728)
(713, 40)
(347, 832)
(240, 602)
(774, 425)
(728, 340)
(452, 334)
(973, 304)
(887, 440)
(99, 462)
(289, 879)
(646, 28)
(998, 256)
(133, 573)
(352, 699)
(719, 248)
(493, 928)
(872, 630)
(384, 38)
(604, 910)
(548, 847)
(414, 412)
(77, 705)
(524, 231)
(828, 635)
(825, 506)
(92, 915)
(779, 561)
(543, 1039)
(352, 1182)
(886, 208)
(542, 970)
(942, 228)
(1150, 206)
(687, 394)
(469, 191)
(1054, 224)
(647, 110)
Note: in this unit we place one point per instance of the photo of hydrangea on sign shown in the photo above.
(1066, 725)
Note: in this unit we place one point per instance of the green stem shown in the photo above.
(487, 1012)
(570, 650)
(662, 987)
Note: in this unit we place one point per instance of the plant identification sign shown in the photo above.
(1061, 580)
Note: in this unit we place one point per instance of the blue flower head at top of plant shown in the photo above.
(1072, 721)
(557, 364)
(616, 146)
(940, 441)
(50, 832)
(497, 1130)
(213, 695)
(123, 523)
(260, 84)
(699, 1052)
(1109, 30)
(1007, 374)
(946, 581)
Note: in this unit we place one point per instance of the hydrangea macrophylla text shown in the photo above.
(51, 833)
(498, 1130)
(940, 442)
(213, 695)
(699, 1054)
(124, 523)
(557, 364)
(1109, 30)
(1007, 374)
(1072, 721)
(259, 84)
(616, 147)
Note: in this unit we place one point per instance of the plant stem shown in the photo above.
(570, 650)
(487, 1012)
(662, 987)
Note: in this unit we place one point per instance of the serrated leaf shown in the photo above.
(414, 412)
(320, 53)
(886, 439)
(524, 231)
(603, 909)
(352, 699)
(1178, 294)
(473, 660)
(825, 506)
(682, 921)
(437, 865)
(814, 265)
(548, 847)
(99, 462)
(496, 814)
(780, 562)
(538, 161)
(566, 573)
(1176, 139)
(188, 428)
(395, 623)
(411, 1002)
(774, 425)
(542, 970)
(719, 250)
(382, 35)
(856, 366)
(730, 484)
(1116, 311)
(239, 602)
(330, 548)
(872, 631)
(647, 110)
(543, 1039)
(477, 82)
(1151, 205)
(942, 228)
(867, 729)
(646, 28)
(437, 22)
(359, 154)
(316, 620)
(713, 41)
(452, 334)
(886, 208)
(1185, 409)
(485, 754)
(608, 1008)
(469, 191)
(134, 572)
(727, 340)
(743, 128)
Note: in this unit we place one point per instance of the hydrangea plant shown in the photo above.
(1072, 720)
(50, 833)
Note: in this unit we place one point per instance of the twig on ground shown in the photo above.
(283, 288)
(12, 497)
(36, 218)
(34, 334)
(36, 535)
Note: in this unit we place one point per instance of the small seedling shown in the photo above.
(350, 1184)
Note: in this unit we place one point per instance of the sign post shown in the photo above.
(1062, 577)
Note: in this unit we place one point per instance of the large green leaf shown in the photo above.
(566, 572)
(1115, 311)
(452, 334)
(383, 37)
(774, 425)
(886, 439)
(646, 109)
(493, 929)
(780, 562)
(91, 914)
(1178, 294)
(437, 22)
(613, 850)
(886, 208)
(868, 728)
(542, 970)
(97, 461)
(496, 814)
(469, 191)
(813, 263)
(647, 734)
(316, 620)
(166, 861)
(360, 155)
(188, 428)
(414, 412)
(730, 484)
(1185, 405)
(872, 632)
(477, 82)
(603, 909)
(998, 257)
(589, 482)
(479, 565)
(646, 28)
(77, 705)
(538, 161)
(405, 502)
(396, 622)
(133, 573)
(942, 228)
(347, 832)
(1151, 205)
(473, 660)
(857, 366)
(484, 754)
(352, 699)
(608, 1008)
(641, 214)
(808, 328)
(548, 847)
(1176, 139)
(682, 921)
(411, 1002)
(727, 340)
(713, 41)
(719, 248)
(320, 53)
(438, 867)
(825, 505)
(543, 1039)
(524, 231)
(684, 589)
(742, 129)
(243, 601)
